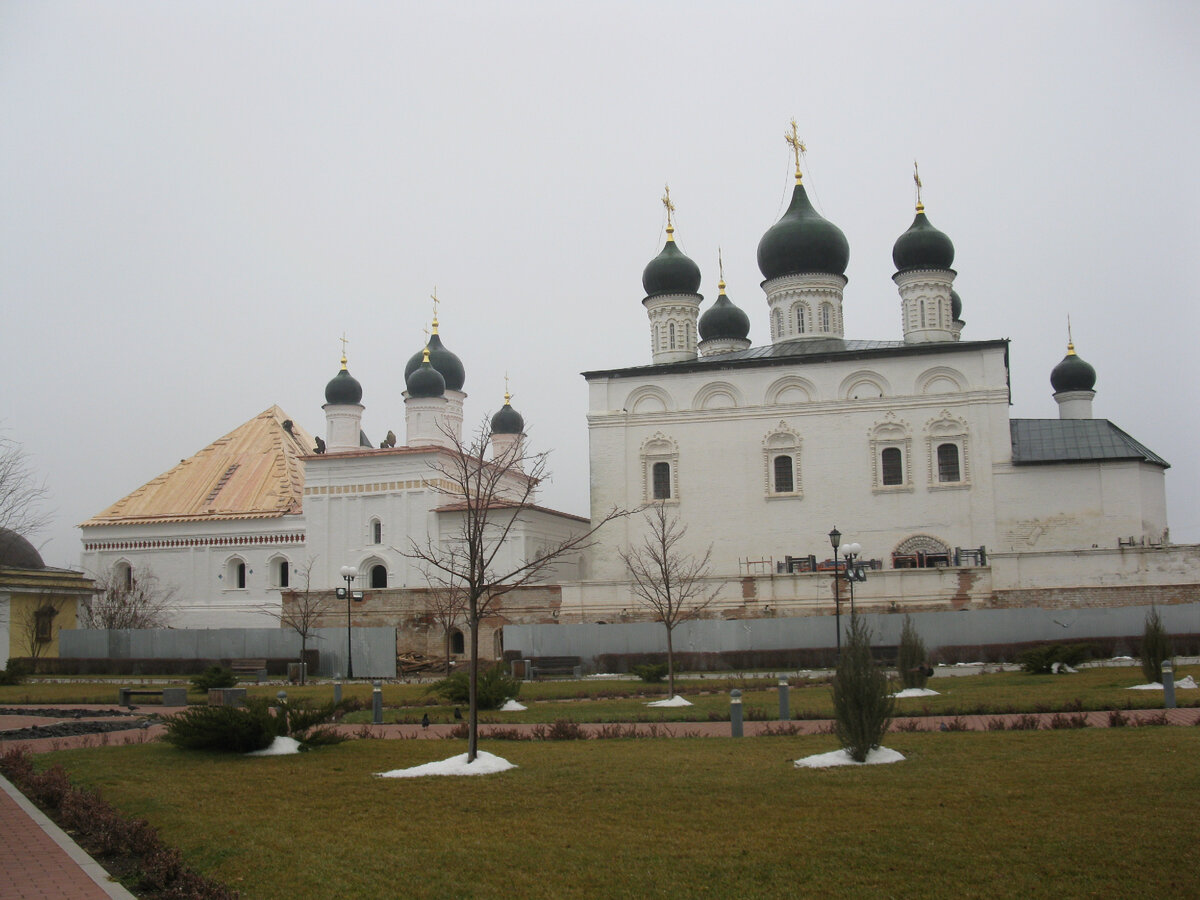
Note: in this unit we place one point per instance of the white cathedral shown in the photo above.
(907, 445)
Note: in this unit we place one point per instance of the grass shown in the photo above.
(996, 814)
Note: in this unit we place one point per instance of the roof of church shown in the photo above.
(802, 352)
(1040, 441)
(254, 472)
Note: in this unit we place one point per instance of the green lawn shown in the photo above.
(1094, 812)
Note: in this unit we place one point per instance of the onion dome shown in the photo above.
(955, 306)
(802, 241)
(448, 365)
(671, 272)
(18, 553)
(724, 319)
(343, 389)
(508, 420)
(922, 246)
(425, 380)
(1072, 374)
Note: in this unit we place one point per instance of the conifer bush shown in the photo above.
(227, 729)
(651, 673)
(214, 677)
(862, 701)
(1156, 646)
(912, 657)
(494, 687)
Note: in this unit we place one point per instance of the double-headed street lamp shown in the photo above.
(852, 575)
(850, 554)
(349, 573)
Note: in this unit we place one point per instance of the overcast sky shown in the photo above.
(197, 199)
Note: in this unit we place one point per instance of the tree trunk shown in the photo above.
(473, 711)
(303, 653)
(670, 664)
(446, 643)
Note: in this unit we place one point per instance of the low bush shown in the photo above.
(1156, 646)
(16, 672)
(226, 729)
(1040, 660)
(214, 677)
(912, 659)
(651, 673)
(495, 686)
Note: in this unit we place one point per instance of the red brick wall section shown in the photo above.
(1097, 597)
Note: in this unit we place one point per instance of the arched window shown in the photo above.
(892, 465)
(376, 531)
(457, 644)
(43, 624)
(947, 463)
(241, 575)
(784, 483)
(662, 481)
(235, 574)
(671, 331)
(776, 324)
(379, 576)
(284, 573)
(800, 320)
(123, 576)
(826, 317)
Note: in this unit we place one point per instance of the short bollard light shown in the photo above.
(377, 702)
(1168, 677)
(337, 691)
(282, 698)
(735, 712)
(785, 709)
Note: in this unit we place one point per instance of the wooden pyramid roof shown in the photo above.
(254, 472)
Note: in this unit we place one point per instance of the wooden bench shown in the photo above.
(171, 696)
(251, 668)
(556, 665)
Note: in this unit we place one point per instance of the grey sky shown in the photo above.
(197, 199)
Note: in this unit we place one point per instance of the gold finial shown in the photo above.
(344, 342)
(797, 148)
(666, 201)
(917, 179)
(1070, 340)
(425, 355)
(721, 266)
(434, 297)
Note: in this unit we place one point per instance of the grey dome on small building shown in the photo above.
(922, 246)
(18, 553)
(671, 272)
(425, 380)
(507, 420)
(1072, 374)
(802, 241)
(724, 319)
(343, 389)
(448, 365)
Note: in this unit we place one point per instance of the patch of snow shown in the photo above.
(1183, 684)
(1059, 668)
(878, 756)
(915, 692)
(603, 675)
(1152, 686)
(1122, 659)
(281, 746)
(512, 706)
(674, 701)
(485, 764)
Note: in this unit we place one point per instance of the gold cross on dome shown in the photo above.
(917, 179)
(721, 265)
(666, 201)
(344, 341)
(797, 146)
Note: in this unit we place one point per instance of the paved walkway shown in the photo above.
(37, 860)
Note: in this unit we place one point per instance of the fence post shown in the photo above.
(735, 712)
(337, 691)
(1168, 677)
(377, 702)
(785, 709)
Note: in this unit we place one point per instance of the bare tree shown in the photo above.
(21, 492)
(491, 496)
(138, 600)
(670, 583)
(447, 605)
(303, 609)
(34, 626)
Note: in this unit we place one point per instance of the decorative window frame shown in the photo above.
(122, 574)
(782, 440)
(947, 429)
(364, 573)
(715, 390)
(659, 448)
(891, 432)
(776, 324)
(273, 575)
(375, 523)
(230, 574)
(779, 387)
(864, 376)
(801, 319)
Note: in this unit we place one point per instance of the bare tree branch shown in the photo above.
(301, 610)
(143, 602)
(34, 627)
(21, 492)
(673, 585)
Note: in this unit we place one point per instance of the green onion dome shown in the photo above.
(508, 420)
(671, 272)
(1072, 374)
(922, 246)
(446, 363)
(724, 319)
(955, 306)
(343, 389)
(425, 380)
(802, 241)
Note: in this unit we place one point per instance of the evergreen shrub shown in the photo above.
(912, 657)
(651, 673)
(214, 677)
(16, 672)
(1156, 646)
(862, 701)
(495, 686)
(226, 729)
(1041, 660)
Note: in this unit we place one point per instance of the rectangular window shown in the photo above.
(377, 532)
(283, 573)
(947, 458)
(784, 483)
(893, 466)
(662, 481)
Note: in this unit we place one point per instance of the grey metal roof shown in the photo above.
(798, 352)
(1042, 441)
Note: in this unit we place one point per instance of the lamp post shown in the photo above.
(349, 573)
(850, 554)
(835, 538)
